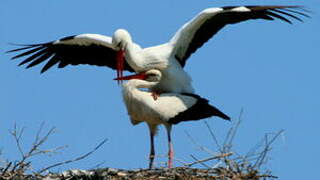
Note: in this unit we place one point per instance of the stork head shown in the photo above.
(146, 79)
(121, 38)
(152, 75)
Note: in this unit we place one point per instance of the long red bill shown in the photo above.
(120, 65)
(135, 76)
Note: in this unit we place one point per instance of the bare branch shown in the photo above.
(37, 138)
(227, 145)
(202, 163)
(98, 165)
(34, 150)
(267, 176)
(209, 159)
(181, 161)
(6, 168)
(266, 149)
(241, 166)
(200, 146)
(73, 160)
(213, 137)
(17, 137)
(39, 141)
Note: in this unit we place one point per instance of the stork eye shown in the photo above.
(152, 75)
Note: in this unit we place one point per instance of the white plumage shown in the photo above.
(168, 109)
(169, 58)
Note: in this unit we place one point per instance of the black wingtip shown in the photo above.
(227, 118)
(282, 12)
(218, 113)
(224, 116)
(200, 110)
(18, 49)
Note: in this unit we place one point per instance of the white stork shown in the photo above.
(121, 53)
(168, 109)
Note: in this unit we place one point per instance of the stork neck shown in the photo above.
(136, 83)
(133, 56)
(131, 90)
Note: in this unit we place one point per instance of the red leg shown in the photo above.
(170, 153)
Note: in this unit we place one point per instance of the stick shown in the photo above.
(74, 160)
(209, 159)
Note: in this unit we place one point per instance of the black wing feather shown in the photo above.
(40, 59)
(27, 52)
(210, 27)
(278, 16)
(68, 54)
(287, 14)
(54, 60)
(34, 56)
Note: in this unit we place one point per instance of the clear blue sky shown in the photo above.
(270, 69)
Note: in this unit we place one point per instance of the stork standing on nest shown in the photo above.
(169, 109)
(121, 53)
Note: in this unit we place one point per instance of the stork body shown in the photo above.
(121, 53)
(168, 109)
(174, 78)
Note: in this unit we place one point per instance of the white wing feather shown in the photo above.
(88, 39)
(183, 37)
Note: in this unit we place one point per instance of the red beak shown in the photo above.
(141, 76)
(120, 64)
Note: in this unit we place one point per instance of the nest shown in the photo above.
(179, 173)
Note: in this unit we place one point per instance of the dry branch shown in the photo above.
(19, 169)
(75, 159)
(228, 163)
(209, 159)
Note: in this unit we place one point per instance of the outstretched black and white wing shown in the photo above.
(207, 23)
(91, 49)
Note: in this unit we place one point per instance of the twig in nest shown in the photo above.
(73, 160)
(203, 164)
(227, 145)
(98, 165)
(17, 136)
(209, 159)
(197, 144)
(267, 176)
(6, 168)
(241, 166)
(266, 149)
(213, 137)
